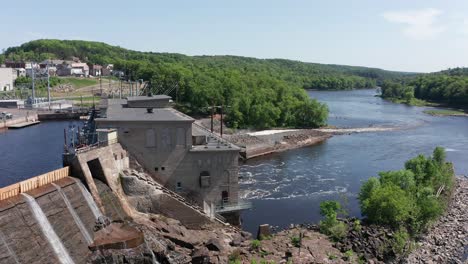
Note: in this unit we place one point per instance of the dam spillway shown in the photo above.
(29, 220)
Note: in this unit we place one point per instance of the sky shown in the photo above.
(403, 35)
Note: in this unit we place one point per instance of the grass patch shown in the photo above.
(445, 112)
(80, 82)
(412, 102)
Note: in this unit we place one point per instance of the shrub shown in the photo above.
(255, 244)
(330, 225)
(357, 225)
(400, 241)
(235, 257)
(349, 254)
(412, 197)
(296, 241)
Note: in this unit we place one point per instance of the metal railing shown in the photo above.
(96, 145)
(215, 136)
(226, 207)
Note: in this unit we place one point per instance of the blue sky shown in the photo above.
(402, 35)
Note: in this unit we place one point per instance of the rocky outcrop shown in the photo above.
(368, 241)
(447, 241)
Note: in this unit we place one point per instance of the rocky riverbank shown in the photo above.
(447, 241)
(265, 142)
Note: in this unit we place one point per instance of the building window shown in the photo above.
(178, 187)
(165, 137)
(180, 136)
(163, 168)
(150, 138)
(224, 197)
(156, 168)
(205, 179)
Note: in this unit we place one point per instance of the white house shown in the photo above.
(7, 79)
(80, 69)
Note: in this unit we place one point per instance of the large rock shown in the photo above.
(263, 231)
(214, 245)
(201, 256)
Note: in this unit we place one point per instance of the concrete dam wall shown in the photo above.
(49, 224)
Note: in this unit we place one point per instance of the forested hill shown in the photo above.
(448, 87)
(260, 92)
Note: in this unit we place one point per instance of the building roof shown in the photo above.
(145, 98)
(117, 110)
(54, 62)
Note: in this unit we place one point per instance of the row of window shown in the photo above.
(166, 137)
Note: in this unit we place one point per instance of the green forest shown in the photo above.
(448, 87)
(259, 93)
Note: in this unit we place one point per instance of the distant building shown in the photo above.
(64, 69)
(7, 79)
(95, 70)
(15, 64)
(30, 67)
(107, 69)
(79, 69)
(178, 154)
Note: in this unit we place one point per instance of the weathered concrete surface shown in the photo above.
(147, 196)
(56, 211)
(19, 116)
(21, 236)
(106, 164)
(447, 241)
(258, 145)
(117, 236)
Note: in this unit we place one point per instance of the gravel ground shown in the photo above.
(447, 241)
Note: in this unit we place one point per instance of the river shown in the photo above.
(288, 187)
(31, 151)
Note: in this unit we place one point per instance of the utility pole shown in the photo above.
(100, 83)
(212, 112)
(33, 92)
(221, 121)
(120, 89)
(48, 84)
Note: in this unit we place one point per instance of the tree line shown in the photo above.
(445, 88)
(258, 93)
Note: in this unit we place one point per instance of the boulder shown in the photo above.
(263, 231)
(214, 245)
(200, 256)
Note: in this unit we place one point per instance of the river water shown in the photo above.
(288, 187)
(31, 151)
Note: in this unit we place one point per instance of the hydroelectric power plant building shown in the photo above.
(178, 153)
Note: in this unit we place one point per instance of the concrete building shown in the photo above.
(178, 154)
(95, 69)
(7, 79)
(80, 69)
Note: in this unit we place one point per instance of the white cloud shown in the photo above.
(419, 24)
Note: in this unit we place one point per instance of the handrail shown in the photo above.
(96, 145)
(214, 135)
(33, 183)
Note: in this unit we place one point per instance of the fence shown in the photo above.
(33, 183)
